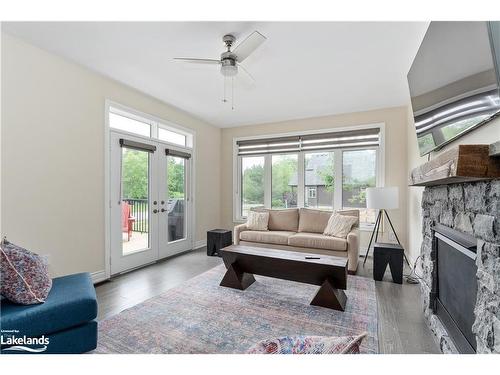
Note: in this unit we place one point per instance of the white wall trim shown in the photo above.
(99, 276)
(155, 122)
(107, 192)
(199, 244)
(381, 156)
(236, 187)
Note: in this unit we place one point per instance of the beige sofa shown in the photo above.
(302, 230)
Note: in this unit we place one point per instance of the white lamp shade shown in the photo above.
(386, 198)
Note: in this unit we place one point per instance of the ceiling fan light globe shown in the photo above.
(229, 70)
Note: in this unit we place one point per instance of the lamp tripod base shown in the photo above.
(375, 233)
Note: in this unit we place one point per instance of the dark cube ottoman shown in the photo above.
(218, 239)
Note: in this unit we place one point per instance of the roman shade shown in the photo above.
(137, 145)
(322, 141)
(178, 154)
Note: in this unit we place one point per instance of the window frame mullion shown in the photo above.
(337, 179)
(301, 179)
(268, 180)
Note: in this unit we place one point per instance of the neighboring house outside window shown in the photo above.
(312, 192)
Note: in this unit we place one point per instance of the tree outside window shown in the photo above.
(252, 183)
(283, 194)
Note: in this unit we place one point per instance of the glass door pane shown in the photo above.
(135, 200)
(319, 174)
(284, 181)
(176, 205)
(133, 204)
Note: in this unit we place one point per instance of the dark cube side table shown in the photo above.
(388, 253)
(218, 239)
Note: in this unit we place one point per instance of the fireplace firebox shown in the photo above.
(454, 288)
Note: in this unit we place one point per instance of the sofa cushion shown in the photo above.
(276, 237)
(340, 225)
(257, 220)
(313, 221)
(286, 219)
(317, 241)
(354, 213)
(71, 302)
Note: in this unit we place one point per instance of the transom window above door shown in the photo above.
(323, 170)
(136, 123)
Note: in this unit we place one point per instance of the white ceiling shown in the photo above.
(303, 70)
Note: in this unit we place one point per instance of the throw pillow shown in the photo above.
(257, 220)
(309, 345)
(24, 275)
(339, 225)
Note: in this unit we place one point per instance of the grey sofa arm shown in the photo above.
(352, 251)
(237, 230)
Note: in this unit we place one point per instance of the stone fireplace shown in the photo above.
(474, 209)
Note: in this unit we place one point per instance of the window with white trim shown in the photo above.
(130, 121)
(328, 170)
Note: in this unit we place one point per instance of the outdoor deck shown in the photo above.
(138, 241)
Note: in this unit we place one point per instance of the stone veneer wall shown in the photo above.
(473, 208)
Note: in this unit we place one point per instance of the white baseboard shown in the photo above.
(200, 243)
(98, 276)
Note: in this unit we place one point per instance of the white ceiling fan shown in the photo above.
(230, 60)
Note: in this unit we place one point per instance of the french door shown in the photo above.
(150, 184)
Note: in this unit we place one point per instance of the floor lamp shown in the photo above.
(382, 199)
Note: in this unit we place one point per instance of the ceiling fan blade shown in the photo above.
(197, 61)
(250, 44)
(247, 73)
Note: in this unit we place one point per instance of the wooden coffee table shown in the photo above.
(330, 272)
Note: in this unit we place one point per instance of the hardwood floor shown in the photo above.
(401, 325)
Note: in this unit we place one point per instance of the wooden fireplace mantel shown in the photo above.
(463, 163)
(495, 149)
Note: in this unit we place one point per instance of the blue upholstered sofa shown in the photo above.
(67, 318)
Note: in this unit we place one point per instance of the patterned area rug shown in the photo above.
(200, 316)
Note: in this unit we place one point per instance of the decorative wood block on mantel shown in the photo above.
(463, 163)
(495, 149)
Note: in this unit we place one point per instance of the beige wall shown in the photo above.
(414, 223)
(395, 120)
(486, 134)
(53, 156)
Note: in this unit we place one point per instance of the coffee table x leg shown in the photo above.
(236, 278)
(330, 297)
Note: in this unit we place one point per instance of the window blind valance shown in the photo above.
(179, 154)
(331, 140)
(137, 145)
